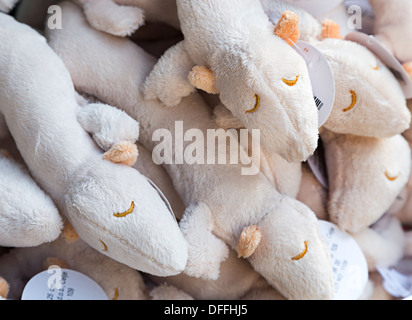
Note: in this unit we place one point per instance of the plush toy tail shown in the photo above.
(4, 288)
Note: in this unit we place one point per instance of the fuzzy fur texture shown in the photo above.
(380, 108)
(28, 217)
(211, 192)
(39, 104)
(229, 42)
(385, 165)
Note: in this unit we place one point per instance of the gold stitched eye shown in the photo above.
(389, 177)
(257, 104)
(290, 83)
(354, 99)
(376, 68)
(127, 212)
(301, 255)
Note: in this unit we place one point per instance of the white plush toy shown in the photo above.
(232, 49)
(369, 100)
(28, 217)
(278, 235)
(112, 206)
(124, 17)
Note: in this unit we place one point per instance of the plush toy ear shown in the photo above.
(124, 152)
(4, 288)
(330, 29)
(203, 78)
(408, 68)
(249, 241)
(70, 235)
(288, 27)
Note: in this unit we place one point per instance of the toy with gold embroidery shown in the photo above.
(367, 95)
(54, 133)
(265, 227)
(251, 65)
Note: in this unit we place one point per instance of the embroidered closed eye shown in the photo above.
(301, 255)
(390, 178)
(376, 68)
(291, 83)
(127, 212)
(354, 100)
(257, 104)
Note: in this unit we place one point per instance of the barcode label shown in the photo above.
(319, 103)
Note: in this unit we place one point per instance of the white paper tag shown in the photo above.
(395, 283)
(317, 164)
(386, 57)
(321, 77)
(349, 266)
(167, 203)
(316, 7)
(62, 284)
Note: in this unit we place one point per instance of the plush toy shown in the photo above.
(28, 217)
(278, 235)
(267, 86)
(369, 100)
(392, 28)
(123, 17)
(365, 177)
(113, 207)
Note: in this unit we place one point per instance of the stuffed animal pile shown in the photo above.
(167, 149)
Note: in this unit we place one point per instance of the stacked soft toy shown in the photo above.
(80, 154)
(244, 62)
(277, 234)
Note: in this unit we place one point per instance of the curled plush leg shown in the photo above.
(206, 251)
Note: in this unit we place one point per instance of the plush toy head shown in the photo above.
(269, 244)
(130, 205)
(369, 101)
(265, 84)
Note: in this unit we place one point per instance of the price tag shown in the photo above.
(62, 284)
(349, 266)
(321, 78)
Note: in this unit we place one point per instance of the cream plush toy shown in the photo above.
(277, 234)
(232, 49)
(367, 119)
(369, 100)
(112, 206)
(123, 17)
(28, 217)
(392, 28)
